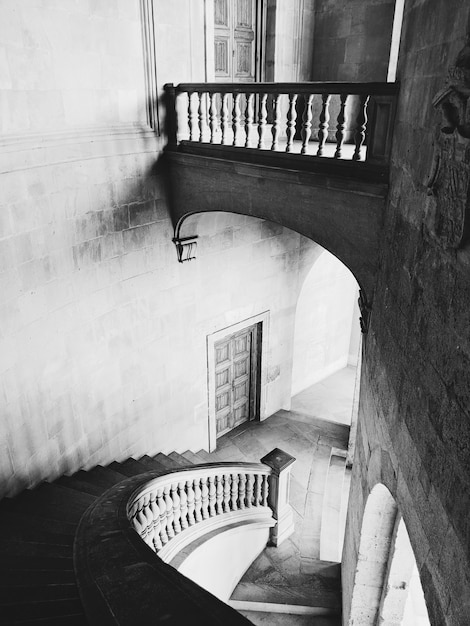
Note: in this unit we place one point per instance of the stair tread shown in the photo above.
(193, 457)
(41, 609)
(166, 461)
(35, 563)
(151, 463)
(102, 476)
(304, 595)
(13, 519)
(129, 467)
(76, 619)
(20, 548)
(36, 577)
(178, 458)
(207, 458)
(33, 593)
(83, 486)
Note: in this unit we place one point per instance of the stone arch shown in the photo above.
(378, 525)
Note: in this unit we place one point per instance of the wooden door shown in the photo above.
(236, 376)
(235, 40)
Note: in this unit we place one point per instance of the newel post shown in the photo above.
(171, 115)
(278, 498)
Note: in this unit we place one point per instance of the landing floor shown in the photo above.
(317, 423)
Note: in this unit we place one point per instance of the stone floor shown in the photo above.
(316, 424)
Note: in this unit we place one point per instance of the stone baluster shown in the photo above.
(324, 122)
(249, 118)
(276, 121)
(219, 494)
(157, 542)
(291, 119)
(169, 512)
(227, 482)
(197, 500)
(249, 490)
(234, 493)
(183, 504)
(204, 498)
(236, 117)
(340, 125)
(265, 490)
(190, 498)
(361, 124)
(176, 508)
(262, 117)
(140, 522)
(212, 497)
(213, 116)
(162, 508)
(307, 123)
(224, 119)
(200, 115)
(149, 534)
(190, 116)
(280, 463)
(241, 491)
(258, 489)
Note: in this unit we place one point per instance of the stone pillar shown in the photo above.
(278, 499)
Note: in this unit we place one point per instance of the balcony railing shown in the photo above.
(328, 121)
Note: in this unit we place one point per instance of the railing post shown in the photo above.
(171, 117)
(278, 498)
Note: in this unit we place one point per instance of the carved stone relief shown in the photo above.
(449, 181)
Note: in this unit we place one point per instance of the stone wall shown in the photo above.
(102, 333)
(352, 39)
(414, 409)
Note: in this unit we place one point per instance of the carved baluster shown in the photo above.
(224, 118)
(249, 113)
(200, 115)
(323, 126)
(236, 117)
(276, 121)
(291, 119)
(213, 116)
(169, 512)
(212, 496)
(191, 498)
(204, 498)
(162, 508)
(262, 116)
(307, 123)
(265, 490)
(219, 495)
(149, 520)
(361, 124)
(197, 500)
(241, 491)
(183, 504)
(157, 542)
(340, 126)
(140, 522)
(249, 490)
(227, 482)
(258, 489)
(234, 493)
(176, 508)
(190, 116)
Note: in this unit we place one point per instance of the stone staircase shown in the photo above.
(37, 529)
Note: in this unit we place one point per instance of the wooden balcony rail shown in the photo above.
(332, 120)
(172, 510)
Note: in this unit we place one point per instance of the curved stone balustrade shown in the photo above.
(173, 510)
(122, 583)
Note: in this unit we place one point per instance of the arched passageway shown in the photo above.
(387, 588)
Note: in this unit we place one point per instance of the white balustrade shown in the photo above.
(172, 510)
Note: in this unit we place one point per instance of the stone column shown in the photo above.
(278, 499)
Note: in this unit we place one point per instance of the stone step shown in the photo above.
(164, 460)
(205, 456)
(102, 476)
(15, 613)
(193, 457)
(35, 577)
(75, 482)
(77, 619)
(52, 530)
(151, 464)
(12, 546)
(177, 458)
(316, 593)
(35, 593)
(331, 541)
(277, 618)
(129, 467)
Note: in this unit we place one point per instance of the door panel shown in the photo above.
(234, 40)
(236, 362)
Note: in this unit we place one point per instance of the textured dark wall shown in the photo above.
(415, 397)
(352, 39)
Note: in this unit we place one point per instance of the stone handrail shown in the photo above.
(170, 511)
(292, 118)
